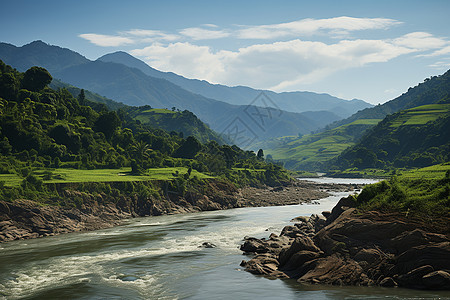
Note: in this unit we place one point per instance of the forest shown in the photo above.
(45, 132)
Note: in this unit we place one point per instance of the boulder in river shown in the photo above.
(207, 245)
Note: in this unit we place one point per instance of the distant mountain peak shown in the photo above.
(37, 42)
(117, 53)
(39, 53)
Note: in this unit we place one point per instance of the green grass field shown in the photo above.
(159, 111)
(431, 172)
(421, 192)
(422, 114)
(101, 175)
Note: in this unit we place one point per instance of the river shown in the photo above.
(160, 258)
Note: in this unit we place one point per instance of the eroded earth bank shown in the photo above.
(24, 219)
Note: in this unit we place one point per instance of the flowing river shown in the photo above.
(160, 258)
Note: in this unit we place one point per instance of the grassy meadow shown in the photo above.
(100, 175)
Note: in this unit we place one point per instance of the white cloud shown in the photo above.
(197, 33)
(307, 27)
(190, 60)
(442, 51)
(106, 40)
(211, 25)
(420, 41)
(440, 65)
(278, 66)
(147, 35)
(143, 32)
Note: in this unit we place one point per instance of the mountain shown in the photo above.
(245, 124)
(94, 97)
(312, 152)
(37, 54)
(240, 95)
(309, 152)
(416, 137)
(432, 90)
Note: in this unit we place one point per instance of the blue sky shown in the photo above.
(370, 50)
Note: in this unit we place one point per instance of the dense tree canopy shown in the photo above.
(45, 128)
(36, 78)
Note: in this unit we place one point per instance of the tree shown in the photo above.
(140, 151)
(189, 148)
(260, 154)
(82, 98)
(36, 78)
(9, 86)
(107, 123)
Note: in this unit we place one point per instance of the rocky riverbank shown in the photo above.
(350, 247)
(24, 219)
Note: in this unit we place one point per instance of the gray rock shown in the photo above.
(388, 282)
(207, 245)
(437, 280)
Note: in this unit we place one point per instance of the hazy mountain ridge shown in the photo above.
(94, 97)
(36, 53)
(241, 95)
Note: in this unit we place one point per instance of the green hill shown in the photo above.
(432, 90)
(175, 121)
(314, 152)
(94, 97)
(416, 137)
(48, 136)
(310, 151)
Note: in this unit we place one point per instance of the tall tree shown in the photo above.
(107, 123)
(36, 78)
(260, 154)
(82, 98)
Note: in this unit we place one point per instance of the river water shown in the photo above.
(160, 258)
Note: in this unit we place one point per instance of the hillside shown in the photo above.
(416, 137)
(94, 97)
(45, 135)
(312, 152)
(132, 87)
(241, 95)
(309, 152)
(173, 121)
(432, 90)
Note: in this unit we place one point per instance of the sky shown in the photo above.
(369, 50)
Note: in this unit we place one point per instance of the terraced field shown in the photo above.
(302, 153)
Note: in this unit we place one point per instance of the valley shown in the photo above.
(74, 160)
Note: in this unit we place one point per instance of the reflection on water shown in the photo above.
(341, 180)
(160, 258)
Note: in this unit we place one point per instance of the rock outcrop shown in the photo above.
(350, 247)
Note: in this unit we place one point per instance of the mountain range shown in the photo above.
(242, 95)
(125, 79)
